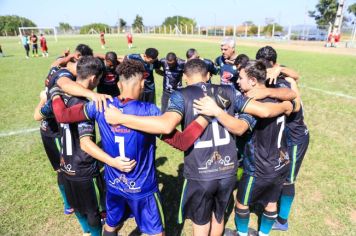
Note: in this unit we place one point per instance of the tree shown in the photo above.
(352, 9)
(325, 12)
(138, 23)
(253, 30)
(98, 27)
(122, 23)
(248, 23)
(65, 26)
(172, 20)
(10, 24)
(267, 30)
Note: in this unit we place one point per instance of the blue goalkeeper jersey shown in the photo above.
(122, 141)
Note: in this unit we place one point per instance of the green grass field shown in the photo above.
(325, 201)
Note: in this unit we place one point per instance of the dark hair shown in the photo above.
(151, 53)
(241, 60)
(88, 66)
(267, 53)
(195, 66)
(191, 52)
(171, 56)
(129, 68)
(256, 69)
(111, 56)
(84, 50)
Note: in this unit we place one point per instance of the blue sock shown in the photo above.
(242, 218)
(83, 222)
(267, 220)
(285, 203)
(95, 231)
(63, 194)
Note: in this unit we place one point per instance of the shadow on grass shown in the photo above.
(170, 194)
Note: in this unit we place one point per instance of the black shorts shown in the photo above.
(85, 195)
(253, 190)
(34, 46)
(52, 146)
(27, 47)
(148, 96)
(201, 198)
(296, 154)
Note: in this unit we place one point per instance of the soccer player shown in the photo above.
(129, 40)
(43, 44)
(209, 167)
(212, 69)
(265, 157)
(126, 188)
(102, 40)
(34, 40)
(25, 43)
(108, 83)
(225, 62)
(240, 61)
(1, 52)
(297, 140)
(82, 179)
(172, 76)
(149, 60)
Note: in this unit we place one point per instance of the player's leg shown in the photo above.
(296, 153)
(244, 196)
(222, 197)
(267, 219)
(164, 101)
(52, 149)
(148, 214)
(27, 49)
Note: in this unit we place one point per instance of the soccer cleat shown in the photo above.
(279, 226)
(230, 232)
(68, 211)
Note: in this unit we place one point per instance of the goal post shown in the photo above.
(40, 30)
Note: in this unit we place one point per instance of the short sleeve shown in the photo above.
(250, 120)
(176, 103)
(86, 128)
(240, 102)
(90, 110)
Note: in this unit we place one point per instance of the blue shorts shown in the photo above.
(147, 211)
(296, 154)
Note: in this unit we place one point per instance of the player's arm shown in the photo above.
(63, 61)
(288, 72)
(184, 140)
(37, 113)
(282, 94)
(268, 109)
(75, 89)
(124, 164)
(208, 106)
(65, 114)
(294, 87)
(158, 68)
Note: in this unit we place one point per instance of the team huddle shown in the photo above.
(246, 133)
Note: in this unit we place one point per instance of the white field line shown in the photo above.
(15, 132)
(330, 92)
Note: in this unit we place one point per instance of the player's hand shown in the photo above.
(207, 106)
(43, 96)
(288, 107)
(55, 91)
(291, 80)
(273, 73)
(258, 93)
(100, 100)
(123, 164)
(112, 115)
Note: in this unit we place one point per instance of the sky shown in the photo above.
(48, 13)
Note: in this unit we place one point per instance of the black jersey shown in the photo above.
(77, 164)
(148, 75)
(213, 155)
(264, 147)
(172, 78)
(212, 69)
(297, 131)
(108, 83)
(228, 73)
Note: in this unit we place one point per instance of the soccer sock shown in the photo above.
(285, 203)
(83, 222)
(242, 218)
(267, 220)
(95, 230)
(62, 191)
